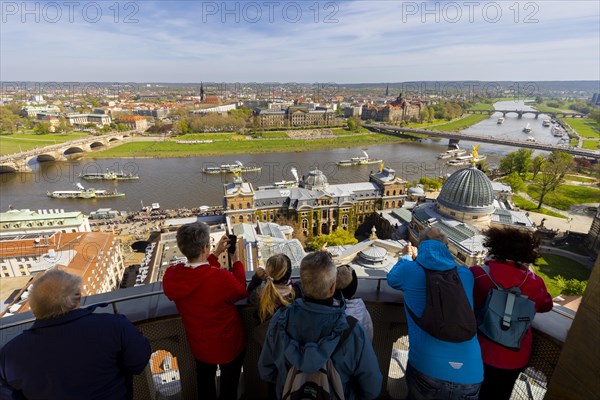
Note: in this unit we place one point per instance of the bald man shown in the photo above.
(70, 352)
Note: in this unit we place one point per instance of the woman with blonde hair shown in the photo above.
(271, 288)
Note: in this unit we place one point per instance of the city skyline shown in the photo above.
(345, 41)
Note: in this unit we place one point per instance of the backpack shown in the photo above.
(448, 315)
(325, 384)
(505, 315)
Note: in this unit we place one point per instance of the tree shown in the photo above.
(515, 182)
(519, 161)
(8, 121)
(351, 125)
(431, 184)
(523, 161)
(539, 100)
(338, 237)
(43, 128)
(537, 165)
(508, 163)
(553, 173)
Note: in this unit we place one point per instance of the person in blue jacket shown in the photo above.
(71, 353)
(307, 332)
(436, 369)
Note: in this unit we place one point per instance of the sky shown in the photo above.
(299, 41)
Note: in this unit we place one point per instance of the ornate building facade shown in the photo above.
(317, 207)
(398, 110)
(295, 116)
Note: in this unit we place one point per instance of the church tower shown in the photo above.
(202, 95)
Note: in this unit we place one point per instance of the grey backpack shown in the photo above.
(505, 315)
(325, 384)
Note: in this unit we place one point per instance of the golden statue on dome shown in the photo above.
(474, 154)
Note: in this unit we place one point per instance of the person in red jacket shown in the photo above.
(205, 295)
(511, 249)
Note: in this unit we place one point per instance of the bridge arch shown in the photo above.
(114, 139)
(95, 145)
(44, 157)
(7, 168)
(517, 113)
(73, 150)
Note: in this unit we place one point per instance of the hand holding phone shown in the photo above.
(232, 244)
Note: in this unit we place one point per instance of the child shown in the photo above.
(270, 289)
(346, 285)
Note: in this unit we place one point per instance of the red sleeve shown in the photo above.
(235, 289)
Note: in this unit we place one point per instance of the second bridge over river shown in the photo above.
(457, 136)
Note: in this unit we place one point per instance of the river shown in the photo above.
(179, 182)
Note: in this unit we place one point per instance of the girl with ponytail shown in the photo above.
(270, 289)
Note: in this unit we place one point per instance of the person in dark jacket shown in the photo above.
(511, 249)
(306, 334)
(71, 353)
(205, 295)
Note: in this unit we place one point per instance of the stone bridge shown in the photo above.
(520, 113)
(19, 162)
(455, 137)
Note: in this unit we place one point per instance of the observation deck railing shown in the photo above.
(158, 319)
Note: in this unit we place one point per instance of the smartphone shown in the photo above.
(232, 244)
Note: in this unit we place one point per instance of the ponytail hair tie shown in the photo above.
(270, 278)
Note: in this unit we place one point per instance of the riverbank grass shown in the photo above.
(173, 149)
(460, 124)
(591, 144)
(585, 127)
(18, 142)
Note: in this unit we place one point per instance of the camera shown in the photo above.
(232, 244)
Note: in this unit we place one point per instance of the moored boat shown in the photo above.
(466, 160)
(527, 128)
(230, 168)
(557, 131)
(84, 193)
(360, 160)
(108, 176)
(500, 120)
(546, 123)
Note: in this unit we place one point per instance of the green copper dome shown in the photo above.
(468, 190)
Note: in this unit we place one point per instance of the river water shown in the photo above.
(179, 182)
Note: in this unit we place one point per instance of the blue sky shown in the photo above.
(289, 41)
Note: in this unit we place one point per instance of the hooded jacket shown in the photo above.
(453, 362)
(205, 297)
(79, 355)
(508, 274)
(305, 335)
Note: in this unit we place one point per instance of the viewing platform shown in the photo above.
(158, 319)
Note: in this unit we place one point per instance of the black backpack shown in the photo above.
(448, 315)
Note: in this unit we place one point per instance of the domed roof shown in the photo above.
(315, 180)
(373, 254)
(416, 191)
(468, 190)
